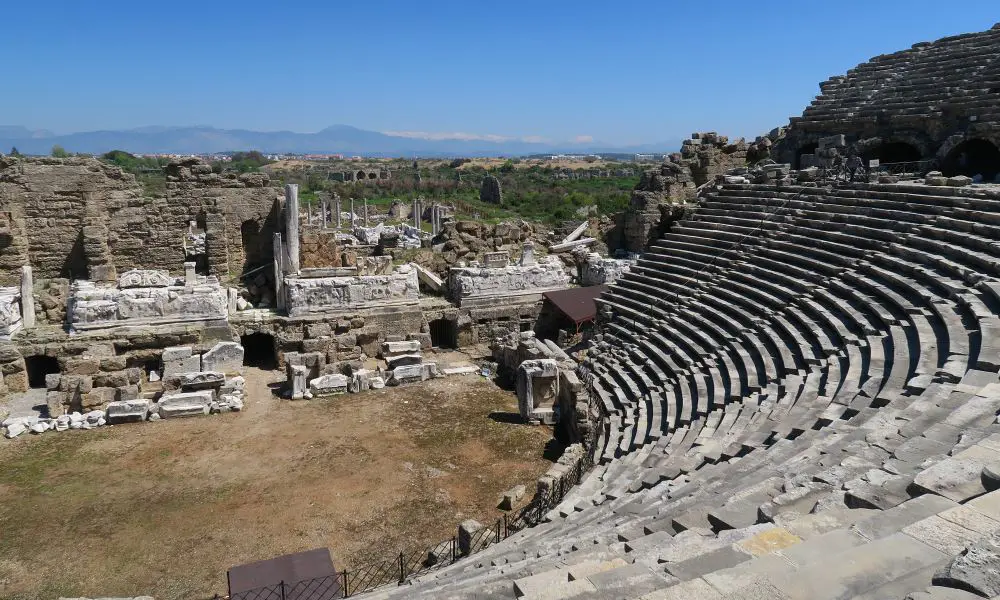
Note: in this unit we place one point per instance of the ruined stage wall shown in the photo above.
(80, 218)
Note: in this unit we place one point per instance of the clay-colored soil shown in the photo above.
(165, 508)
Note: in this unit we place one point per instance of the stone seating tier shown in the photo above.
(801, 393)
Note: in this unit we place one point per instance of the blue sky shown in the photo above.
(618, 72)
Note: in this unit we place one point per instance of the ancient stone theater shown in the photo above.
(791, 393)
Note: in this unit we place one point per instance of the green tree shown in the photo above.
(59, 152)
(14, 151)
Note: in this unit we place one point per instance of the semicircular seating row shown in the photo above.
(801, 393)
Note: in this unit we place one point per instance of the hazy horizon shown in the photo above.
(643, 72)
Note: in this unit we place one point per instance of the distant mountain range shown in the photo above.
(340, 139)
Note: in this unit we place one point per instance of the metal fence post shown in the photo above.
(498, 530)
(282, 585)
(402, 574)
(454, 549)
(346, 592)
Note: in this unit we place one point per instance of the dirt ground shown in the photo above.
(165, 508)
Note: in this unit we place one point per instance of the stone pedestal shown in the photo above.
(299, 376)
(190, 275)
(538, 390)
(527, 254)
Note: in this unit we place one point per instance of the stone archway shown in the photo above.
(972, 157)
(259, 351)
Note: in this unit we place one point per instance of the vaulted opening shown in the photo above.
(894, 152)
(444, 333)
(38, 367)
(971, 158)
(259, 351)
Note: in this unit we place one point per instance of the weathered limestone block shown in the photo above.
(597, 270)
(201, 380)
(326, 385)
(76, 383)
(407, 374)
(399, 360)
(127, 411)
(56, 402)
(976, 569)
(537, 389)
(477, 284)
(467, 531)
(327, 294)
(10, 311)
(185, 404)
(82, 366)
(98, 398)
(94, 306)
(225, 357)
(143, 278)
(179, 359)
(405, 347)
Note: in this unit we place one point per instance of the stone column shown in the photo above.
(292, 226)
(352, 213)
(325, 207)
(190, 275)
(27, 297)
(416, 213)
(309, 208)
(338, 208)
(279, 273)
(366, 211)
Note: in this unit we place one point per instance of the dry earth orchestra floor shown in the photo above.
(166, 509)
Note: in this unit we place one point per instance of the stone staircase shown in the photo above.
(801, 388)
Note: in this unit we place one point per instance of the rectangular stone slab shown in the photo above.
(127, 411)
(186, 404)
(225, 357)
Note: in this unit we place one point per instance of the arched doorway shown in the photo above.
(973, 157)
(259, 351)
(444, 333)
(38, 367)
